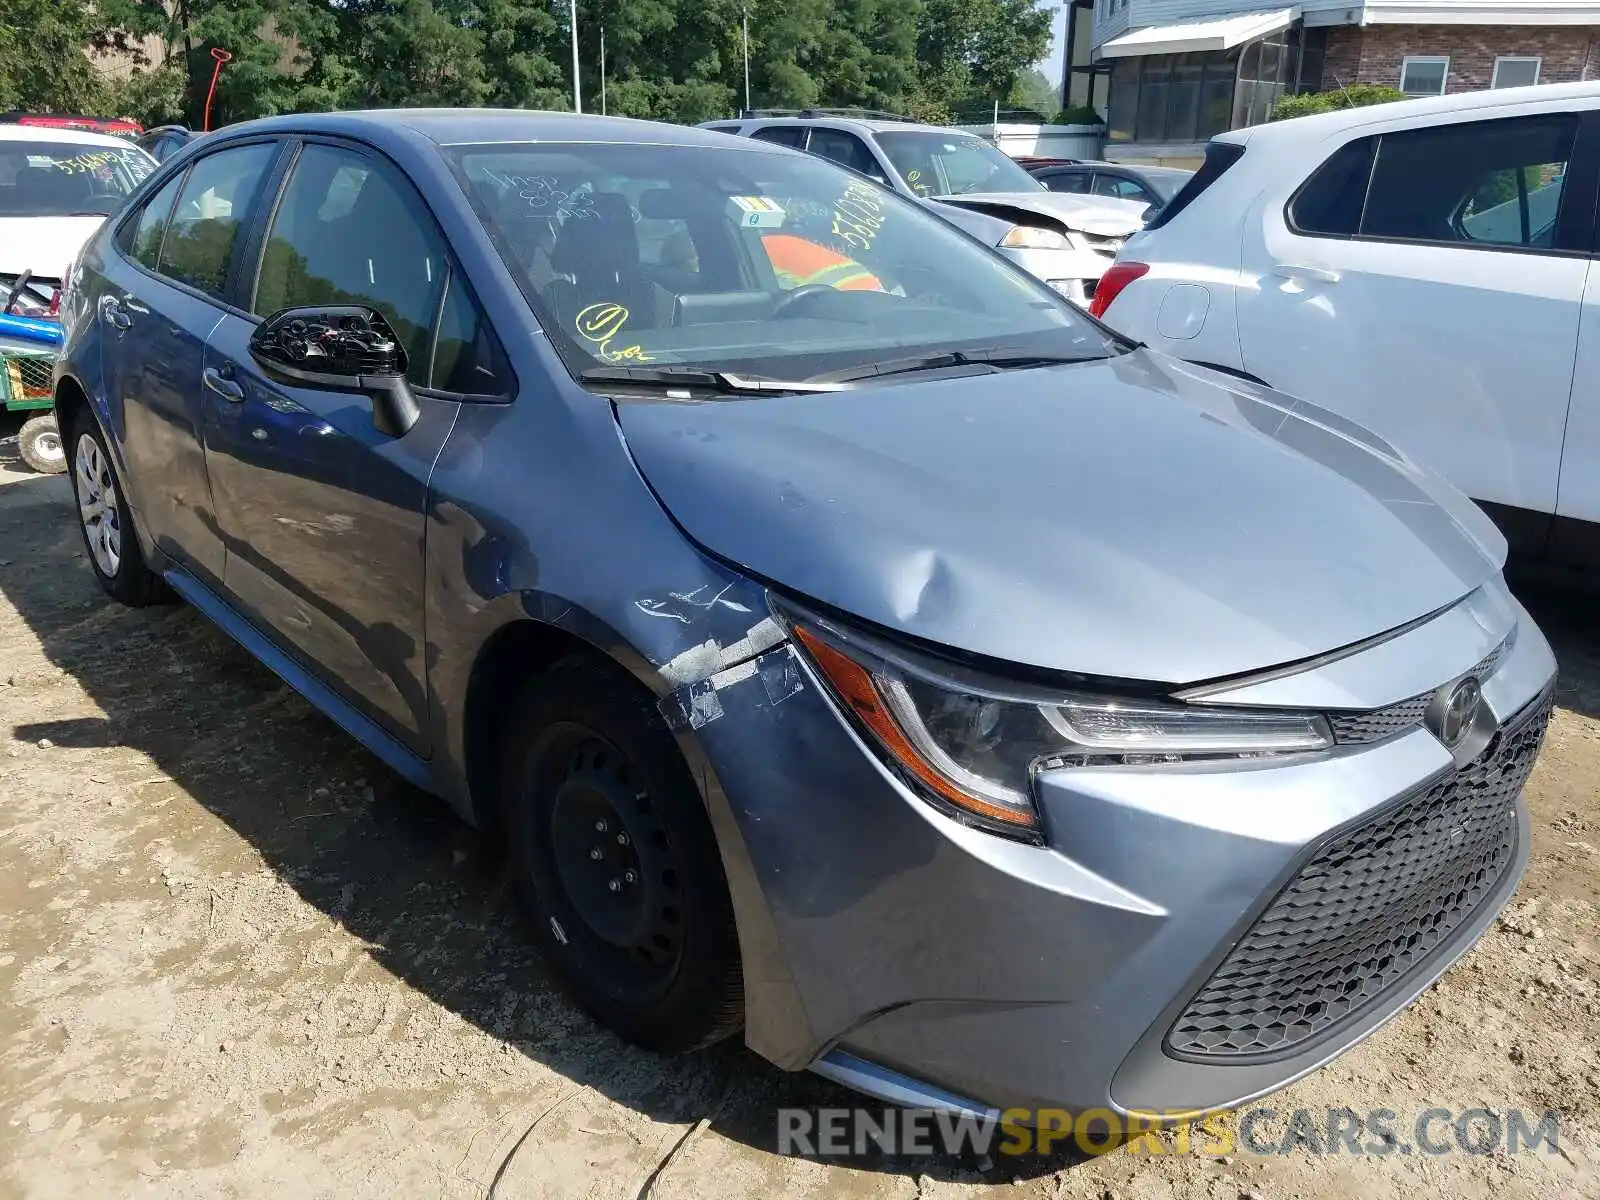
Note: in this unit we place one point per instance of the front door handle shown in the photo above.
(222, 384)
(1306, 271)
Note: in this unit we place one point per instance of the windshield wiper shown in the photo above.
(999, 357)
(714, 381)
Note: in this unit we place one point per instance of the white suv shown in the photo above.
(1422, 267)
(56, 187)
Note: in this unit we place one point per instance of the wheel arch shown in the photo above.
(71, 398)
(514, 652)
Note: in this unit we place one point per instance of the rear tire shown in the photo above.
(615, 862)
(106, 523)
(39, 443)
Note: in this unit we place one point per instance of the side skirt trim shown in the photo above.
(323, 698)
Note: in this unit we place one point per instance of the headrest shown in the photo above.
(597, 238)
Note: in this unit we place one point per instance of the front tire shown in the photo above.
(106, 523)
(39, 443)
(615, 861)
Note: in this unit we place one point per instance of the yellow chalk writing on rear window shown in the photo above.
(857, 216)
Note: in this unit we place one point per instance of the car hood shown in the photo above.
(1104, 216)
(1133, 517)
(987, 228)
(43, 245)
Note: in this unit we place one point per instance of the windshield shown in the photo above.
(1167, 182)
(948, 164)
(67, 179)
(746, 259)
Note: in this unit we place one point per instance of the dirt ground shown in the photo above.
(240, 958)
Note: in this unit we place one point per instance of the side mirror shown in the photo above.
(347, 348)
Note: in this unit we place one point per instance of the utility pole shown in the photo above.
(602, 70)
(577, 88)
(747, 58)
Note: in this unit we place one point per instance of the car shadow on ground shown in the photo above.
(425, 894)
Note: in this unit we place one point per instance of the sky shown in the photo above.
(1052, 61)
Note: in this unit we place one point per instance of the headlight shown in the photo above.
(972, 747)
(1032, 237)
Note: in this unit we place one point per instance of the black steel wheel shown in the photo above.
(616, 862)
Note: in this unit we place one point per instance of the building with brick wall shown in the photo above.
(1168, 74)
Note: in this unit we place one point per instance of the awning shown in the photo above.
(1214, 33)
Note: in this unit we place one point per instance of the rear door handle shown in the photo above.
(114, 314)
(1306, 271)
(222, 384)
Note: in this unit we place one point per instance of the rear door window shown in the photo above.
(846, 149)
(140, 237)
(1493, 183)
(1120, 188)
(1482, 183)
(1066, 181)
(212, 212)
(793, 136)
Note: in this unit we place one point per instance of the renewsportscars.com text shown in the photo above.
(1259, 1130)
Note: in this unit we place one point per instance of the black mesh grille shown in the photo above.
(1359, 728)
(1362, 727)
(1368, 908)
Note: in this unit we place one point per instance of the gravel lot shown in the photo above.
(239, 958)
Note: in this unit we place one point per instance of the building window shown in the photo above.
(1515, 72)
(1424, 75)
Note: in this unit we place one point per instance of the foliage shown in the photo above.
(44, 55)
(1078, 114)
(151, 95)
(679, 60)
(1357, 95)
(1033, 90)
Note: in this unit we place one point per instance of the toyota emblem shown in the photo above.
(1457, 711)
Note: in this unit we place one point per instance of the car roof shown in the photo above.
(864, 124)
(1321, 125)
(59, 134)
(462, 126)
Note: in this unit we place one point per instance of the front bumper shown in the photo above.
(926, 962)
(1072, 273)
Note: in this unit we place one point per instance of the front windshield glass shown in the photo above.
(949, 164)
(745, 259)
(67, 179)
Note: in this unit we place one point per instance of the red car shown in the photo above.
(119, 126)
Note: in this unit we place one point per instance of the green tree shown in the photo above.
(521, 54)
(44, 55)
(1034, 92)
(969, 50)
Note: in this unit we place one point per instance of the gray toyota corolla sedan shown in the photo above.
(854, 643)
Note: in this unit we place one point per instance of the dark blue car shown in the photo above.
(851, 639)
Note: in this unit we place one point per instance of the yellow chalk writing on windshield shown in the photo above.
(600, 323)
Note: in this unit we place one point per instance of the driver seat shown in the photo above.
(597, 252)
